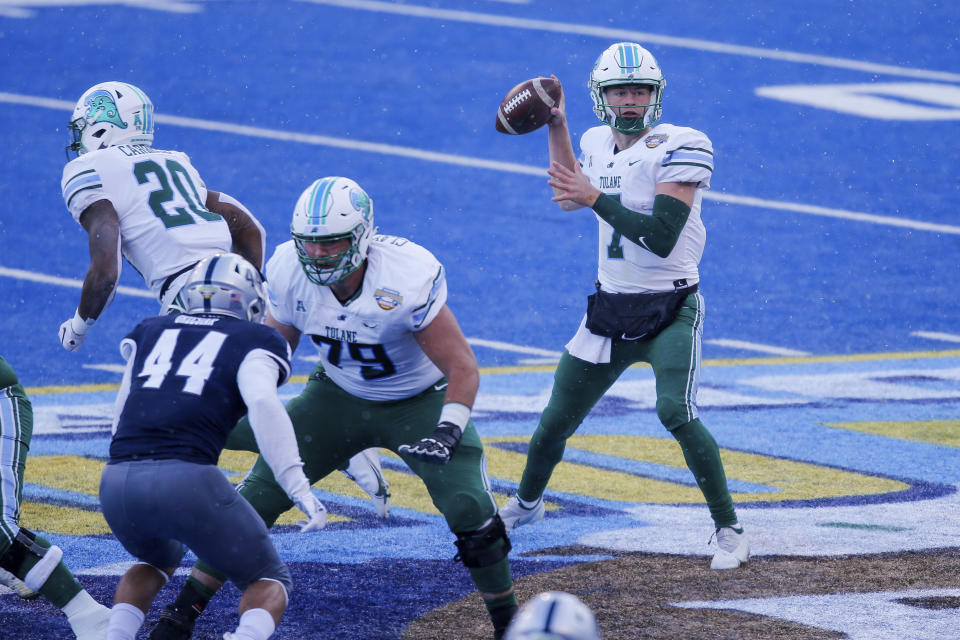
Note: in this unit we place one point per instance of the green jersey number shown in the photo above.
(615, 249)
(375, 363)
(176, 174)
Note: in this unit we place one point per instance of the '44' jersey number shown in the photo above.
(173, 173)
(196, 366)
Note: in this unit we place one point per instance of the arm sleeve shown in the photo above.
(128, 350)
(657, 233)
(271, 425)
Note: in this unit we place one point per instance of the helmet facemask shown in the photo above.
(329, 210)
(626, 63)
(327, 270)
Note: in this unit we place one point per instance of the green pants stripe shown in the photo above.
(16, 429)
(674, 355)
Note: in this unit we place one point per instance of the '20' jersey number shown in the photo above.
(174, 173)
(373, 358)
(196, 366)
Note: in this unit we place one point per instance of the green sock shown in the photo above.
(702, 454)
(193, 598)
(61, 586)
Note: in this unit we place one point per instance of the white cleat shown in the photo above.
(364, 469)
(91, 624)
(733, 548)
(515, 514)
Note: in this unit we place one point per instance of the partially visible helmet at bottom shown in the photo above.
(553, 615)
(226, 284)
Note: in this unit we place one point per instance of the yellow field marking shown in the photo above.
(67, 473)
(62, 520)
(941, 432)
(489, 371)
(789, 480)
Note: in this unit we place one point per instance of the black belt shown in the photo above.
(171, 278)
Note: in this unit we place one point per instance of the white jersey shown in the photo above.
(367, 345)
(160, 200)
(665, 154)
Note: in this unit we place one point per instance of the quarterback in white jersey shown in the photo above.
(644, 181)
(147, 205)
(667, 154)
(367, 345)
(396, 372)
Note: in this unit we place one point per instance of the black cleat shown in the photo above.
(173, 625)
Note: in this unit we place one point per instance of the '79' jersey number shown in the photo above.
(373, 358)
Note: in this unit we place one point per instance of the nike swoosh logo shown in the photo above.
(440, 386)
(630, 164)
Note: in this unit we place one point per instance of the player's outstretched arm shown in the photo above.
(102, 225)
(275, 437)
(561, 146)
(249, 238)
(445, 345)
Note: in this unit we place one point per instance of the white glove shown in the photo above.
(314, 510)
(73, 331)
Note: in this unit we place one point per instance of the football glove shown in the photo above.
(73, 331)
(314, 510)
(438, 448)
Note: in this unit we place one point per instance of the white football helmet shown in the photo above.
(226, 284)
(626, 63)
(553, 615)
(108, 114)
(331, 209)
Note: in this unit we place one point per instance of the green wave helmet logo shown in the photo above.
(360, 202)
(101, 107)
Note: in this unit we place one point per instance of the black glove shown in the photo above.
(438, 448)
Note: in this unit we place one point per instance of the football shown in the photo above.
(527, 106)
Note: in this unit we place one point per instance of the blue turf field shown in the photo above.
(832, 232)
(519, 268)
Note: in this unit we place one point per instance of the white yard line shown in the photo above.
(612, 34)
(506, 346)
(33, 276)
(936, 335)
(753, 346)
(479, 163)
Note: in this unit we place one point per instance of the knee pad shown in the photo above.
(24, 547)
(476, 549)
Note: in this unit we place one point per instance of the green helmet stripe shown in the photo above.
(312, 212)
(146, 107)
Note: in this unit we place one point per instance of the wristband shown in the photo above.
(79, 325)
(455, 413)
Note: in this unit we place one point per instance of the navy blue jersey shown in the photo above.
(184, 398)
